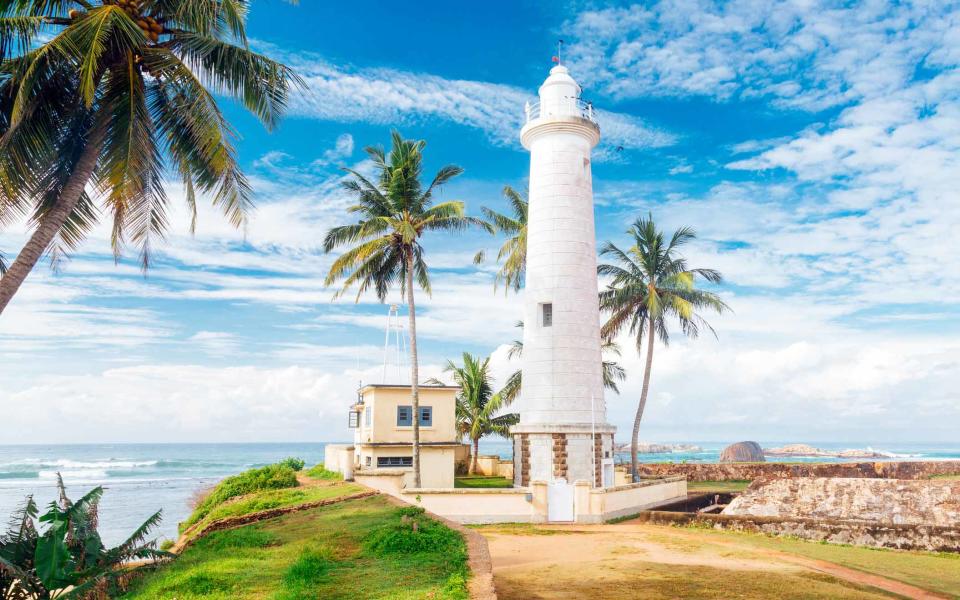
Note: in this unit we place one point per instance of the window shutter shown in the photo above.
(426, 415)
(404, 416)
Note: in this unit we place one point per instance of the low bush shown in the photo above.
(309, 570)
(271, 477)
(294, 463)
(318, 471)
(411, 532)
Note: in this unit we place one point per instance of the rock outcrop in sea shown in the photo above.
(804, 450)
(742, 452)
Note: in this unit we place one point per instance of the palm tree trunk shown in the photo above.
(38, 243)
(634, 472)
(473, 459)
(414, 372)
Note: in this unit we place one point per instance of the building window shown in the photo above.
(368, 417)
(546, 314)
(426, 416)
(368, 461)
(394, 461)
(404, 416)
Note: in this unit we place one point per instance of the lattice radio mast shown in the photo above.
(396, 335)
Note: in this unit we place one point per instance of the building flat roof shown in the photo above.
(398, 386)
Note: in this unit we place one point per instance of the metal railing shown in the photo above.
(582, 109)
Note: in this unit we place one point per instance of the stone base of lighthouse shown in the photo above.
(568, 453)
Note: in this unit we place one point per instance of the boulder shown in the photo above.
(742, 452)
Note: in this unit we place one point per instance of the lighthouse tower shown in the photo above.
(562, 436)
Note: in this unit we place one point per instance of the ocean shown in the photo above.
(140, 479)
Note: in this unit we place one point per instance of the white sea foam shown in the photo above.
(65, 463)
(76, 475)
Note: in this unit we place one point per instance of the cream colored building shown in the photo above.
(383, 433)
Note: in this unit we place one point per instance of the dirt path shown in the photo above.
(640, 560)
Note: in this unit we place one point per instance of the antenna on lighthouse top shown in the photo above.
(559, 57)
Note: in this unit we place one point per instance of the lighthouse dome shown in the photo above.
(559, 94)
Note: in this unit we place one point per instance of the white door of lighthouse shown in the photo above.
(559, 501)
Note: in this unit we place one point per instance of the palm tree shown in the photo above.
(513, 253)
(477, 404)
(394, 213)
(67, 558)
(612, 371)
(105, 99)
(651, 282)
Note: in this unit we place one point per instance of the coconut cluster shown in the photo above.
(150, 26)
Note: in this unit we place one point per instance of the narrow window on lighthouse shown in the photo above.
(546, 314)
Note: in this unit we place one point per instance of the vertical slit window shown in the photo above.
(546, 315)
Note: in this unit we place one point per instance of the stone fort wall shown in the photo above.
(771, 470)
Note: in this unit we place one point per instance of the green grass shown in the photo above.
(732, 485)
(482, 481)
(954, 477)
(269, 499)
(319, 472)
(270, 477)
(358, 549)
(938, 572)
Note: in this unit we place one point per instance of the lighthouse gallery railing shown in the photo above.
(583, 109)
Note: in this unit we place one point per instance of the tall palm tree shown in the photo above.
(611, 369)
(513, 252)
(651, 282)
(477, 405)
(106, 98)
(386, 242)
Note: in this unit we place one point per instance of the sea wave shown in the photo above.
(75, 474)
(65, 463)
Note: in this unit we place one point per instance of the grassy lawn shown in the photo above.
(733, 485)
(268, 499)
(363, 548)
(955, 477)
(937, 572)
(482, 481)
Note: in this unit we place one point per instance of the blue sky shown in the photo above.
(813, 145)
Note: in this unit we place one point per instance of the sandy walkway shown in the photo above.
(633, 560)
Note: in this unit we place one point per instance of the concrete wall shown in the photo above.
(483, 505)
(526, 505)
(436, 464)
(597, 505)
(895, 501)
(724, 472)
(337, 457)
(492, 465)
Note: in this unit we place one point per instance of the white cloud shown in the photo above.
(389, 96)
(809, 55)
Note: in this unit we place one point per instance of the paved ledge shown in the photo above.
(639, 484)
(466, 491)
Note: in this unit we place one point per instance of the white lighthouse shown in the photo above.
(562, 436)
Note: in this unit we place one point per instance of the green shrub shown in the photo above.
(318, 471)
(412, 532)
(296, 464)
(271, 477)
(244, 537)
(166, 545)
